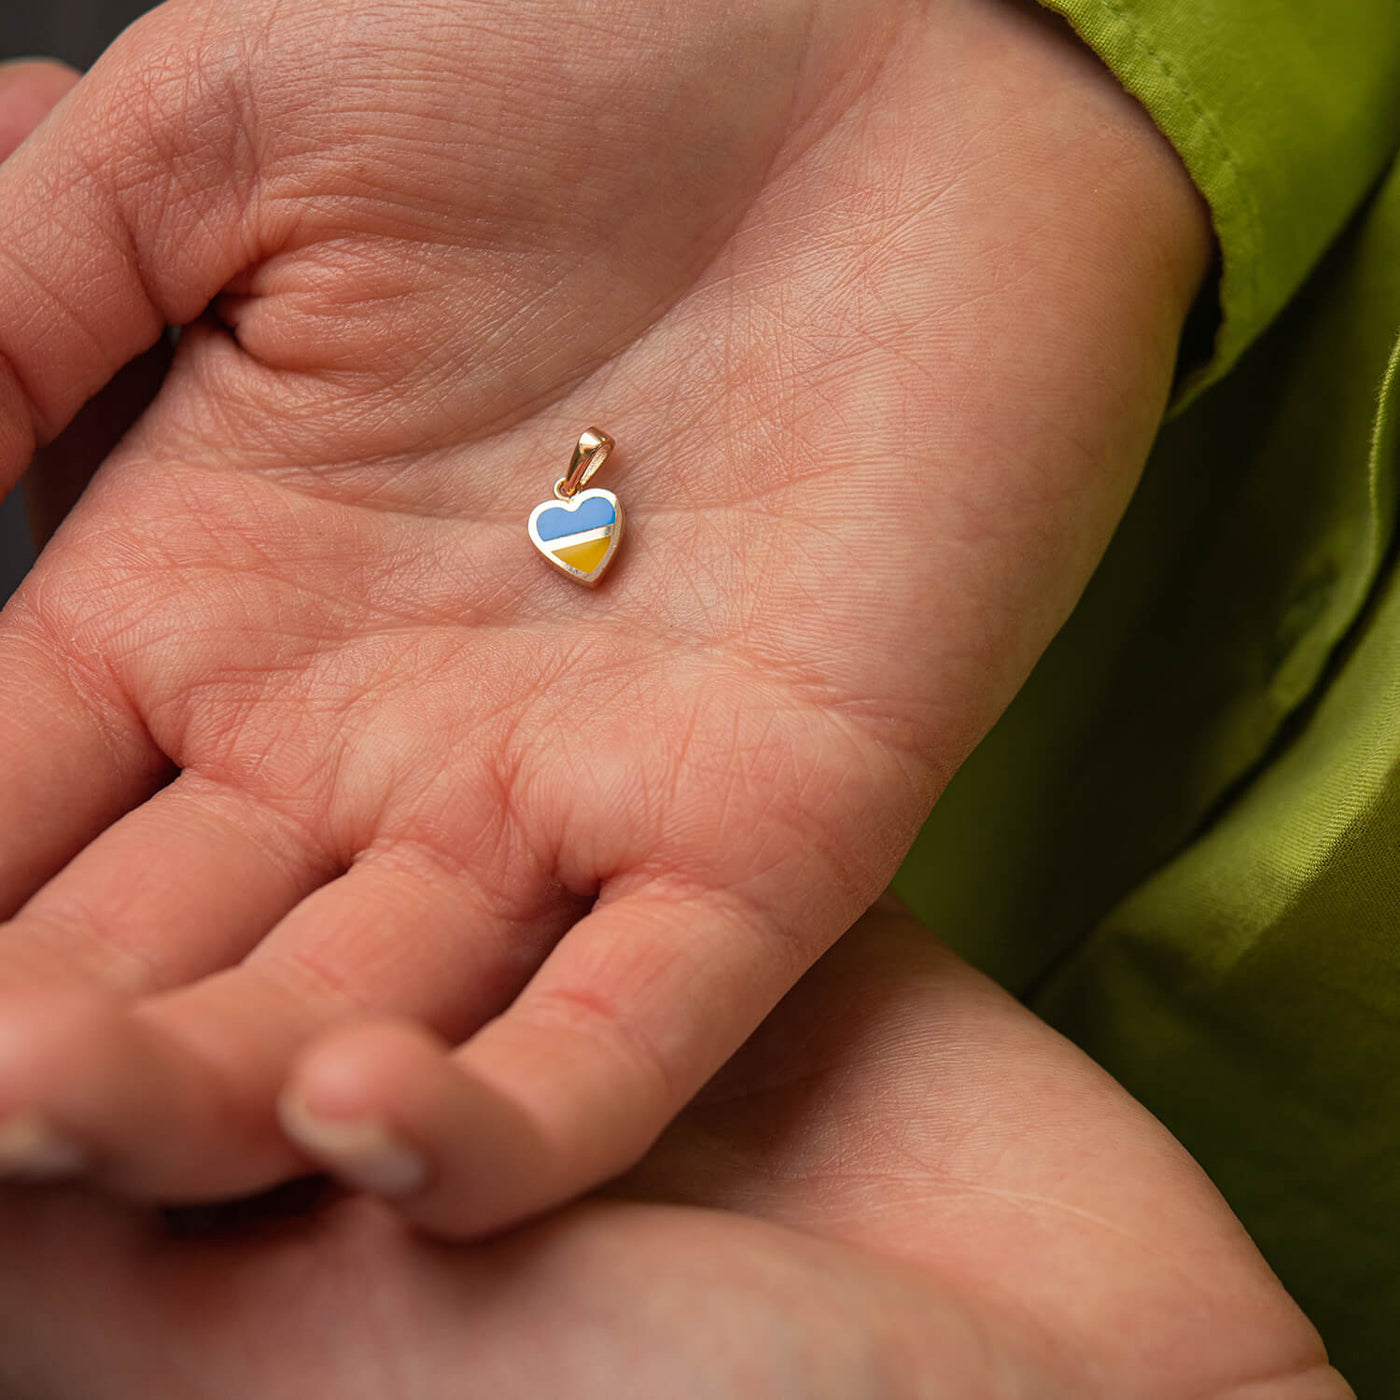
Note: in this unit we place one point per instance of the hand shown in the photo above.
(905, 1185)
(881, 303)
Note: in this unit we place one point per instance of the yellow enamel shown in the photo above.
(584, 557)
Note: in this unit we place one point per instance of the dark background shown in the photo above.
(76, 31)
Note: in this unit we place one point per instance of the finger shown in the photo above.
(180, 888)
(119, 215)
(635, 1009)
(29, 90)
(60, 472)
(73, 758)
(175, 1100)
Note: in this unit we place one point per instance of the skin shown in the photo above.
(903, 1187)
(904, 1184)
(329, 788)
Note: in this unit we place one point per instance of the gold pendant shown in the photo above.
(579, 531)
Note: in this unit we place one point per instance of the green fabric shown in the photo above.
(1285, 112)
(1182, 843)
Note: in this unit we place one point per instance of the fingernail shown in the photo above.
(31, 1149)
(361, 1151)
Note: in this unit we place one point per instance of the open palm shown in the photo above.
(834, 276)
(904, 1186)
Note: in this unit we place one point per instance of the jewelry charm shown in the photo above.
(579, 531)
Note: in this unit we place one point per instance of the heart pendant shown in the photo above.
(579, 531)
(579, 536)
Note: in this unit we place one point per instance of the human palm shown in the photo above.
(834, 276)
(904, 1186)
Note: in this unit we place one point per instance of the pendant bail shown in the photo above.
(590, 454)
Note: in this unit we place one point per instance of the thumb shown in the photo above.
(119, 215)
(29, 89)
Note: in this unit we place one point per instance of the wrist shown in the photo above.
(1138, 206)
(1053, 245)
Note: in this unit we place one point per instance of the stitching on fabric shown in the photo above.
(1225, 154)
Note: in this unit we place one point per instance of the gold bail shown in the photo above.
(590, 454)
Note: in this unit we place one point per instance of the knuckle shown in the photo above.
(615, 1041)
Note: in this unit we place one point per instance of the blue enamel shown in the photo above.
(591, 514)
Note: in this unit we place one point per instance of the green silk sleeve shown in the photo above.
(1286, 113)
